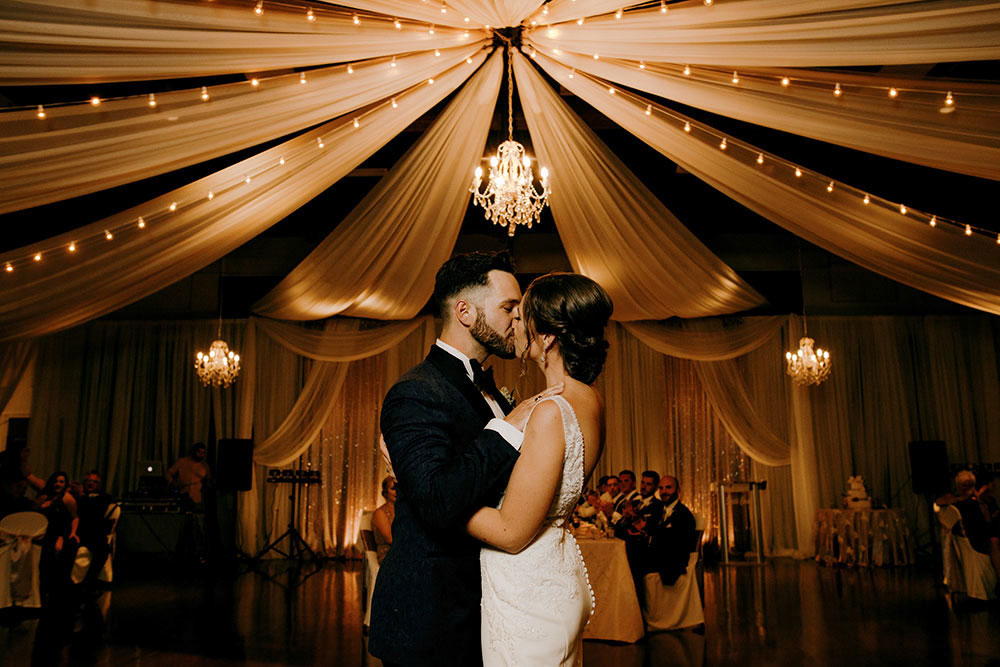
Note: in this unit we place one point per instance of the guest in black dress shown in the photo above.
(60, 542)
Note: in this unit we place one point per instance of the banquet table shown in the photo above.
(617, 616)
(864, 537)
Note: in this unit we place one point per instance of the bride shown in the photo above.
(536, 595)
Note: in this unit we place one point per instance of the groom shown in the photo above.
(452, 453)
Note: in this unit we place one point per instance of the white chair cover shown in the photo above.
(370, 564)
(19, 559)
(674, 607)
(965, 569)
(113, 513)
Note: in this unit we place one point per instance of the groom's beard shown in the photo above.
(490, 339)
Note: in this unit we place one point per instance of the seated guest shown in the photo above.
(95, 527)
(382, 518)
(190, 474)
(980, 528)
(674, 538)
(610, 496)
(638, 523)
(586, 509)
(626, 484)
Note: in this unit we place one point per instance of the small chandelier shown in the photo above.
(220, 366)
(808, 367)
(510, 198)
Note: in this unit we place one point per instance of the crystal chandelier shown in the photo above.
(510, 198)
(808, 367)
(220, 366)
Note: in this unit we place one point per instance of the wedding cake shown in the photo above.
(856, 497)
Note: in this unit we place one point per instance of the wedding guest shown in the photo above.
(639, 521)
(979, 526)
(626, 483)
(60, 542)
(95, 526)
(610, 497)
(673, 539)
(12, 490)
(383, 516)
(190, 474)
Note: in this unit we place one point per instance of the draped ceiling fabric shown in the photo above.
(72, 41)
(615, 230)
(788, 34)
(75, 151)
(377, 262)
(865, 118)
(102, 277)
(938, 260)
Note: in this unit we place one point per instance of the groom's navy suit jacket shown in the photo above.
(425, 608)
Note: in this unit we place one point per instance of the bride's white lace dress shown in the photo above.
(537, 602)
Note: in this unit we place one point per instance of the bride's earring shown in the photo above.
(543, 357)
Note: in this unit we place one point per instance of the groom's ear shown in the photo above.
(464, 312)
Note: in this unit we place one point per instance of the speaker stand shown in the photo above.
(298, 549)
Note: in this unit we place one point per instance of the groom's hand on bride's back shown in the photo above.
(518, 417)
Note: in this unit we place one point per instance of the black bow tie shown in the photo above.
(483, 378)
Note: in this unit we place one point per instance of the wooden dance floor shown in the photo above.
(783, 613)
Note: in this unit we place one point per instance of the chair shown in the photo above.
(679, 605)
(965, 569)
(113, 514)
(19, 558)
(366, 541)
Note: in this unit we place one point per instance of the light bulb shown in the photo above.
(72, 246)
(356, 20)
(663, 7)
(708, 3)
(893, 93)
(736, 77)
(829, 188)
(211, 196)
(281, 160)
(350, 69)
(933, 221)
(356, 123)
(319, 142)
(798, 173)
(397, 24)
(902, 209)
(310, 16)
(555, 51)
(437, 52)
(571, 72)
(493, 161)
(152, 100)
(254, 82)
(545, 11)
(579, 21)
(392, 63)
(108, 235)
(465, 35)
(785, 81)
(204, 93)
(95, 101)
(41, 111)
(649, 109)
(526, 161)
(8, 267)
(867, 199)
(444, 8)
(723, 144)
(642, 64)
(968, 230)
(687, 126)
(302, 77)
(618, 14)
(247, 179)
(173, 205)
(141, 224)
(38, 257)
(545, 173)
(760, 158)
(430, 81)
(259, 9)
(837, 91)
(479, 173)
(468, 60)
(596, 57)
(949, 100)
(430, 31)
(687, 70)
(611, 91)
(394, 105)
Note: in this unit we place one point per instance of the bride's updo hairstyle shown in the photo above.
(575, 310)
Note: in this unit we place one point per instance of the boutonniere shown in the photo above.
(509, 395)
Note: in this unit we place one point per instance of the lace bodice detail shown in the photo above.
(571, 486)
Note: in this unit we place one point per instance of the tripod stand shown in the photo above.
(298, 549)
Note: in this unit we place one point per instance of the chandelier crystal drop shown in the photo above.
(806, 366)
(510, 197)
(219, 367)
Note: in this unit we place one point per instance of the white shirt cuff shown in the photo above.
(507, 432)
(615, 517)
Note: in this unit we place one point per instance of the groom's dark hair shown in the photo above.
(468, 270)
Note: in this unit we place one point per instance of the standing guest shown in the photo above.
(673, 540)
(383, 516)
(190, 474)
(95, 526)
(60, 541)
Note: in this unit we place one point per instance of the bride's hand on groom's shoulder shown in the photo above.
(518, 417)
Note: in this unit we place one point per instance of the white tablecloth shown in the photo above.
(863, 537)
(617, 616)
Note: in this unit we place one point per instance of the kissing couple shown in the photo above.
(483, 569)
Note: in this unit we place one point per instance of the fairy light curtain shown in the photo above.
(195, 225)
(377, 262)
(75, 41)
(77, 149)
(15, 357)
(854, 110)
(799, 34)
(615, 230)
(940, 260)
